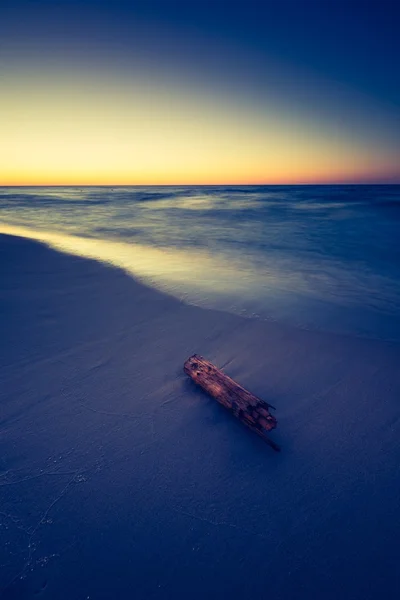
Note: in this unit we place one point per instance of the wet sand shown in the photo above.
(120, 479)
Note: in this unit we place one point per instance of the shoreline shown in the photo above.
(113, 254)
(118, 474)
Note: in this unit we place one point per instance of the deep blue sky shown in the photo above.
(355, 42)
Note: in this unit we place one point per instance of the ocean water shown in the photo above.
(319, 257)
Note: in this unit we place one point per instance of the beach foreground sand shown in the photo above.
(119, 479)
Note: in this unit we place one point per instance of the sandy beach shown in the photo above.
(120, 479)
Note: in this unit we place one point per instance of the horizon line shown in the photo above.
(38, 185)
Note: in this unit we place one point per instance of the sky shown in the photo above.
(199, 92)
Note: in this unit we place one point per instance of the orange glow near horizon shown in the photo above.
(63, 131)
(184, 180)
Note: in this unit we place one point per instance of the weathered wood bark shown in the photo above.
(252, 411)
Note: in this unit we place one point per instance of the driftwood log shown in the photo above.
(249, 409)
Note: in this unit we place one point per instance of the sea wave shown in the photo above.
(319, 256)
